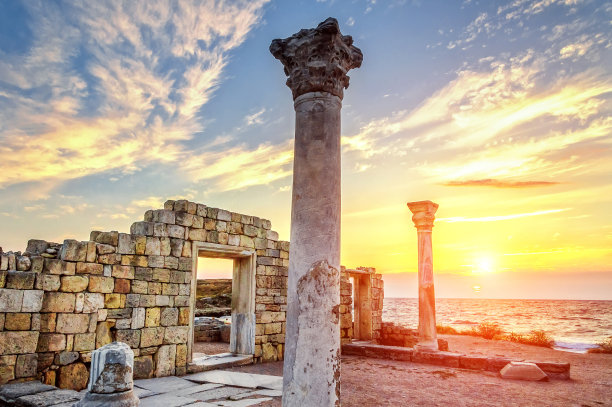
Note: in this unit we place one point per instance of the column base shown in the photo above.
(123, 399)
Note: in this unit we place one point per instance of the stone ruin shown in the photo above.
(59, 302)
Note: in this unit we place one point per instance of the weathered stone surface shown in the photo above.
(32, 301)
(153, 316)
(523, 371)
(50, 342)
(59, 398)
(92, 302)
(73, 377)
(151, 337)
(18, 342)
(10, 300)
(50, 282)
(122, 286)
(473, 362)
(129, 336)
(112, 369)
(104, 336)
(7, 368)
(74, 284)
(20, 280)
(66, 358)
(165, 360)
(84, 342)
(101, 284)
(143, 367)
(59, 267)
(17, 321)
(138, 318)
(58, 302)
(26, 365)
(10, 392)
(176, 334)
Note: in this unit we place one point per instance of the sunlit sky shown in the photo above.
(499, 111)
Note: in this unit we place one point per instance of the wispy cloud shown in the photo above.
(149, 68)
(499, 183)
(501, 217)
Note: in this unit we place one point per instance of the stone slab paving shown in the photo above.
(238, 379)
(206, 389)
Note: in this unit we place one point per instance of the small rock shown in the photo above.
(523, 371)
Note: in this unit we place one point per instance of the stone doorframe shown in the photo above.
(362, 300)
(242, 337)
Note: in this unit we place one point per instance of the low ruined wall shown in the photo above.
(392, 334)
(60, 302)
(346, 308)
(211, 330)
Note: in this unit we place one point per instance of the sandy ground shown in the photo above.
(375, 382)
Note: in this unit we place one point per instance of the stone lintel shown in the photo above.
(318, 59)
(423, 214)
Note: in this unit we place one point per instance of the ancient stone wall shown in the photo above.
(346, 308)
(60, 302)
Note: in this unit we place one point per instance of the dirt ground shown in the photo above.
(375, 382)
(210, 348)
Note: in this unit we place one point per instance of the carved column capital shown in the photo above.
(318, 59)
(423, 214)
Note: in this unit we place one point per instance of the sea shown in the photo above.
(575, 325)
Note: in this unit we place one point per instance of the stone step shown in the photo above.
(221, 361)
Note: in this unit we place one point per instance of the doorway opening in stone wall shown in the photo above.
(213, 306)
(233, 269)
(362, 305)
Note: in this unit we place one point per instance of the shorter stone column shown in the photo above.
(111, 378)
(423, 218)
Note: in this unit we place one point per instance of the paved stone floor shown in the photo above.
(212, 388)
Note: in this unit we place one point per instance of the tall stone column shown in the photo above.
(316, 62)
(423, 218)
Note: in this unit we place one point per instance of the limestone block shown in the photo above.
(89, 268)
(123, 272)
(233, 240)
(162, 300)
(184, 219)
(201, 210)
(198, 234)
(246, 241)
(84, 342)
(17, 321)
(101, 284)
(143, 367)
(269, 352)
(66, 358)
(185, 264)
(26, 365)
(32, 301)
(138, 318)
(165, 361)
(104, 334)
(92, 302)
(51, 342)
(20, 280)
(74, 284)
(523, 371)
(181, 301)
(183, 316)
(181, 355)
(176, 334)
(72, 323)
(48, 322)
(153, 317)
(184, 289)
(171, 262)
(129, 336)
(73, 251)
(142, 228)
(156, 261)
(104, 249)
(23, 263)
(151, 337)
(114, 300)
(73, 377)
(58, 302)
(186, 249)
(147, 300)
(212, 236)
(122, 286)
(139, 287)
(169, 316)
(164, 246)
(163, 216)
(7, 368)
(126, 244)
(59, 267)
(170, 289)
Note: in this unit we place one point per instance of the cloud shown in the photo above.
(499, 183)
(148, 68)
(500, 217)
(502, 119)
